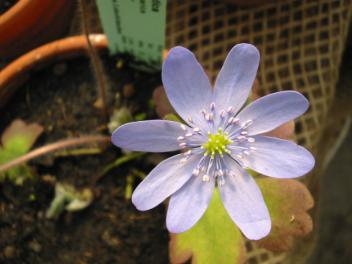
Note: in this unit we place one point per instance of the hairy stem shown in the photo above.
(53, 147)
(97, 67)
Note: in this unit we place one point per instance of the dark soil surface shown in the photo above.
(111, 230)
(6, 4)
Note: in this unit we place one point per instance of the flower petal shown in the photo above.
(149, 136)
(188, 204)
(186, 85)
(244, 202)
(278, 158)
(273, 110)
(236, 76)
(165, 179)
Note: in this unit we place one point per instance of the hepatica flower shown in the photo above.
(219, 141)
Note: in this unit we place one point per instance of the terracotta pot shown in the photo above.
(17, 72)
(30, 23)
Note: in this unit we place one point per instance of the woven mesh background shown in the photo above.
(301, 43)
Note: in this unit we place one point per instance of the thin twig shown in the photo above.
(98, 69)
(53, 147)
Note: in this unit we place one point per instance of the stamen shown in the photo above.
(196, 129)
(183, 145)
(221, 181)
(180, 138)
(190, 119)
(183, 127)
(251, 140)
(188, 152)
(195, 172)
(230, 110)
(222, 114)
(206, 178)
(235, 120)
(212, 106)
(244, 132)
(189, 134)
(247, 123)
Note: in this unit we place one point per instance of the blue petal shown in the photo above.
(244, 202)
(186, 85)
(188, 204)
(149, 136)
(273, 110)
(278, 158)
(236, 77)
(165, 179)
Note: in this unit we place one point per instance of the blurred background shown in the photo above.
(56, 71)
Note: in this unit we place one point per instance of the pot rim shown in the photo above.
(18, 71)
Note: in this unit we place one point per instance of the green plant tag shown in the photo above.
(135, 27)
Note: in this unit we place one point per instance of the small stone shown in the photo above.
(60, 69)
(49, 178)
(35, 246)
(128, 90)
(110, 240)
(9, 252)
(98, 104)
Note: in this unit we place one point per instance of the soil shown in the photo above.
(111, 230)
(6, 4)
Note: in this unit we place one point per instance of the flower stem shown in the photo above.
(53, 147)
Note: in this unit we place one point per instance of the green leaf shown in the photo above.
(172, 117)
(288, 202)
(16, 140)
(19, 137)
(214, 239)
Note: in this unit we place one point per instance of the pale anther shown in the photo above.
(183, 145)
(180, 138)
(235, 120)
(183, 127)
(206, 178)
(251, 140)
(222, 114)
(188, 152)
(195, 172)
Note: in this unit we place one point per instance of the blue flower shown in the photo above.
(219, 142)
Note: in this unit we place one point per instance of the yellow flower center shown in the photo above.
(217, 144)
